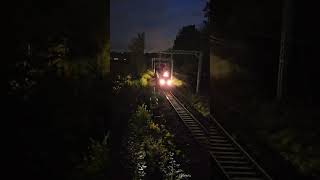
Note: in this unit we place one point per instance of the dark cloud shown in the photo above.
(161, 20)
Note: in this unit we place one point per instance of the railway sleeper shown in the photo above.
(247, 178)
(237, 168)
(192, 125)
(179, 108)
(219, 140)
(222, 148)
(230, 162)
(190, 121)
(230, 157)
(188, 117)
(184, 115)
(221, 144)
(242, 174)
(199, 135)
(217, 137)
(225, 153)
(213, 133)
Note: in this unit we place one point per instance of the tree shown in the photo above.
(136, 48)
(188, 38)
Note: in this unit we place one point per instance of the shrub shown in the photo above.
(96, 163)
(151, 148)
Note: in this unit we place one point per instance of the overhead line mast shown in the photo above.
(197, 54)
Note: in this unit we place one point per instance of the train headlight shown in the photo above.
(166, 74)
(169, 82)
(162, 82)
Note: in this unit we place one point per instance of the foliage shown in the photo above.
(103, 60)
(223, 68)
(199, 105)
(120, 82)
(96, 164)
(56, 99)
(61, 103)
(303, 155)
(141, 118)
(192, 38)
(146, 78)
(188, 38)
(177, 82)
(197, 102)
(151, 148)
(127, 81)
(172, 170)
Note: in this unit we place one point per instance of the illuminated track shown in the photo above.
(233, 161)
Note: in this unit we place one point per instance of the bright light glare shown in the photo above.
(169, 82)
(162, 82)
(166, 74)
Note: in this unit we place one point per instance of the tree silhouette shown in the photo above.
(188, 38)
(136, 48)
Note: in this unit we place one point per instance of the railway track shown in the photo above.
(233, 161)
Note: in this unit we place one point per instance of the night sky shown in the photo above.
(159, 19)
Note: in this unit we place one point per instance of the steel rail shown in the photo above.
(233, 161)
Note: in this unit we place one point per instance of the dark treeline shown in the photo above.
(244, 59)
(192, 38)
(58, 88)
(252, 34)
(79, 21)
(303, 66)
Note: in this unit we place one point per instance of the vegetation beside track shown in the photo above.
(151, 148)
(146, 144)
(197, 102)
(277, 131)
(286, 129)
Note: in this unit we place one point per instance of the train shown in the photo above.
(163, 74)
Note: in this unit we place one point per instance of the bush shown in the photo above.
(304, 156)
(96, 163)
(151, 148)
(199, 105)
(146, 78)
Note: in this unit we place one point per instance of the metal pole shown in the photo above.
(171, 66)
(199, 72)
(153, 66)
(284, 46)
(29, 49)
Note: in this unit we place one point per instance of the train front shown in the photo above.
(164, 79)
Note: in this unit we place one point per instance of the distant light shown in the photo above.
(116, 59)
(124, 59)
(166, 74)
(162, 82)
